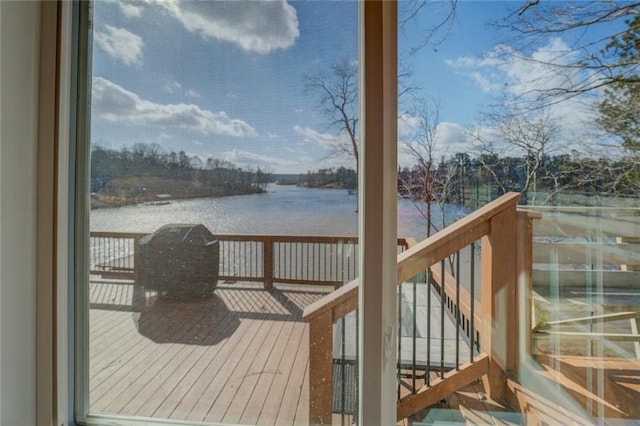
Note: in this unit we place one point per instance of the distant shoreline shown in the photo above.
(165, 196)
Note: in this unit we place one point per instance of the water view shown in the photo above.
(283, 209)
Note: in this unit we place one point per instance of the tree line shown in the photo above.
(453, 180)
(143, 171)
(340, 177)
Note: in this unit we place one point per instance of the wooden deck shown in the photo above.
(239, 357)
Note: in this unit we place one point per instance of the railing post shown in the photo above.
(320, 368)
(138, 291)
(524, 292)
(498, 337)
(267, 262)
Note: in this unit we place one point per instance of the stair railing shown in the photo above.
(503, 259)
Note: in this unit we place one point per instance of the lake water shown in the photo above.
(285, 210)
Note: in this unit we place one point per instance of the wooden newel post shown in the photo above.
(524, 292)
(499, 322)
(320, 368)
(267, 262)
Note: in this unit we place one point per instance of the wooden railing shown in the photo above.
(591, 251)
(114, 254)
(497, 226)
(571, 242)
(298, 259)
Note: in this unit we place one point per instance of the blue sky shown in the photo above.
(226, 79)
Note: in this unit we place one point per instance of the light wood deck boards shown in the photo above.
(239, 357)
(604, 386)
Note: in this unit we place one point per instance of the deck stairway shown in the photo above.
(447, 285)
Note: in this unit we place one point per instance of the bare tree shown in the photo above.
(420, 184)
(444, 13)
(530, 139)
(338, 96)
(587, 28)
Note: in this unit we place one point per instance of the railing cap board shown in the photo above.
(462, 230)
(109, 234)
(331, 300)
(528, 214)
(585, 209)
(453, 238)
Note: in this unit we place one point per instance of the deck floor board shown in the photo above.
(240, 356)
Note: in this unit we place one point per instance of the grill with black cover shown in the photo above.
(180, 261)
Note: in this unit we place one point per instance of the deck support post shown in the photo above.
(267, 262)
(320, 368)
(499, 322)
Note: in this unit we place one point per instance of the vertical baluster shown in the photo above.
(414, 334)
(225, 257)
(332, 276)
(291, 259)
(428, 369)
(457, 310)
(108, 250)
(342, 369)
(357, 368)
(472, 302)
(399, 372)
(442, 303)
(280, 274)
(344, 278)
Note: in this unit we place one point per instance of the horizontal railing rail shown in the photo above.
(295, 259)
(572, 245)
(496, 225)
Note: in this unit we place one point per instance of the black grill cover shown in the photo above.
(180, 261)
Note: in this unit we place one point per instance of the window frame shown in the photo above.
(378, 171)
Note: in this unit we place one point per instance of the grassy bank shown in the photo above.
(134, 190)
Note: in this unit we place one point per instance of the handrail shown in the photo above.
(497, 224)
(453, 238)
(422, 255)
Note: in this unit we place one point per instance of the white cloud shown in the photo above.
(253, 160)
(114, 103)
(333, 150)
(255, 26)
(526, 79)
(129, 9)
(407, 124)
(325, 140)
(120, 44)
(450, 138)
(172, 86)
(519, 74)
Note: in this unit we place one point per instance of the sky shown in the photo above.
(226, 79)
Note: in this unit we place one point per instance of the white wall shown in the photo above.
(19, 53)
